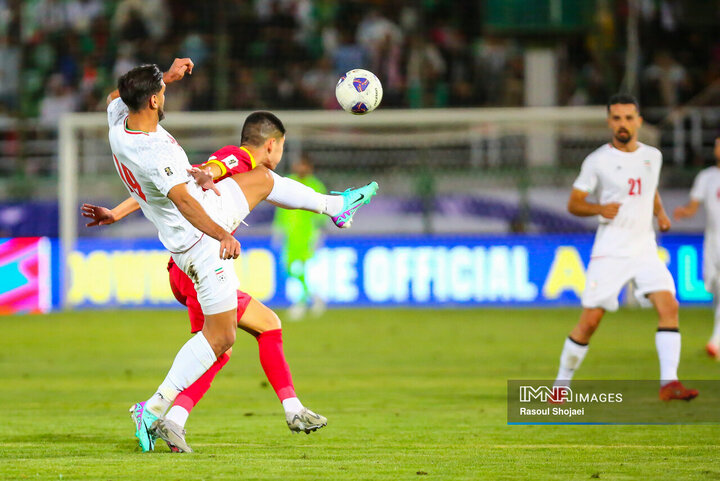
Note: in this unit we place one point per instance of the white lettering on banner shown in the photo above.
(441, 284)
(332, 274)
(346, 288)
(459, 274)
(402, 273)
(498, 274)
(377, 274)
(462, 273)
(480, 258)
(422, 274)
(524, 289)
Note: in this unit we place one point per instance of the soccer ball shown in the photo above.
(359, 91)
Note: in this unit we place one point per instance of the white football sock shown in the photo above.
(668, 349)
(715, 338)
(178, 414)
(191, 361)
(291, 194)
(292, 405)
(570, 359)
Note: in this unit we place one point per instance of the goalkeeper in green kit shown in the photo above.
(300, 233)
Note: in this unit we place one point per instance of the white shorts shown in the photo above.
(229, 208)
(215, 280)
(606, 277)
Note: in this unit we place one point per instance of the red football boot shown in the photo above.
(675, 390)
(712, 351)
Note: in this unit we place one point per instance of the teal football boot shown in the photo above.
(143, 420)
(353, 199)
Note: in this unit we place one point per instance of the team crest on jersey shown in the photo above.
(220, 273)
(647, 163)
(168, 171)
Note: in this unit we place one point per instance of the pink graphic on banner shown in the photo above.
(24, 275)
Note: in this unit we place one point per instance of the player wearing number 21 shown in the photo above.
(623, 175)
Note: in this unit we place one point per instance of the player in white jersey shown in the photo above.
(706, 191)
(195, 224)
(623, 175)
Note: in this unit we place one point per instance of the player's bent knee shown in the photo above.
(223, 341)
(269, 320)
(272, 321)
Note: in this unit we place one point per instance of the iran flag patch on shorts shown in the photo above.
(220, 273)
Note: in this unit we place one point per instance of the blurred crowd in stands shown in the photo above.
(65, 55)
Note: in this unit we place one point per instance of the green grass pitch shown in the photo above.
(409, 394)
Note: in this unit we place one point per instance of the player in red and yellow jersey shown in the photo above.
(252, 315)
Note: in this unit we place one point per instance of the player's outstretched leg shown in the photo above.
(353, 199)
(143, 420)
(262, 183)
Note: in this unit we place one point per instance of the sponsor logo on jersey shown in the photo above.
(231, 161)
(168, 171)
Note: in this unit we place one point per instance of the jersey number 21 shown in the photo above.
(635, 186)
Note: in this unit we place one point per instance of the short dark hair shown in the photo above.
(260, 126)
(139, 84)
(623, 98)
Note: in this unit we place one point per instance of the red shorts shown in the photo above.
(184, 291)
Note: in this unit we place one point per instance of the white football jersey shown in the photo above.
(630, 178)
(706, 189)
(150, 164)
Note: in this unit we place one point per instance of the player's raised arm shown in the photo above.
(579, 206)
(177, 70)
(104, 216)
(191, 209)
(659, 211)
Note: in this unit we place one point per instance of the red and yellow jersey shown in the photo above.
(232, 160)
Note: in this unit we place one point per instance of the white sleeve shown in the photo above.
(587, 180)
(166, 170)
(698, 191)
(117, 111)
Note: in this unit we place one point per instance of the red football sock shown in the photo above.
(193, 394)
(272, 359)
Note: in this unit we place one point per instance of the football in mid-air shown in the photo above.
(359, 91)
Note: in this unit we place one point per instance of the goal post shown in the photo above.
(407, 151)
